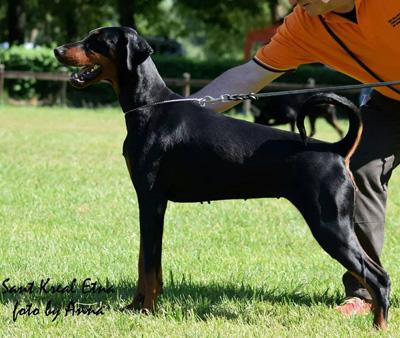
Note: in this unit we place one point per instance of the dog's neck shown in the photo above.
(141, 86)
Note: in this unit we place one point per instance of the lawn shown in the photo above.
(231, 269)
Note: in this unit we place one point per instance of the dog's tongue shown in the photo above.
(86, 74)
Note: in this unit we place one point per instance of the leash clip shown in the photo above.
(226, 98)
(243, 97)
(207, 99)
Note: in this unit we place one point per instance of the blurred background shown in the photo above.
(194, 41)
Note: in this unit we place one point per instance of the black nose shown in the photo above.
(59, 52)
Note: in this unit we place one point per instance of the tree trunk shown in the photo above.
(126, 9)
(273, 4)
(16, 21)
(72, 22)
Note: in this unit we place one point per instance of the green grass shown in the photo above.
(231, 269)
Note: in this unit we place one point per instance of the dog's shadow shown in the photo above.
(186, 297)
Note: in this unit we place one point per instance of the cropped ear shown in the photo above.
(137, 48)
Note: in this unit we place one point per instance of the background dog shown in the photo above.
(280, 110)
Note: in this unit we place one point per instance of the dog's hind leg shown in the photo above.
(329, 216)
(312, 119)
(292, 126)
(331, 119)
(152, 211)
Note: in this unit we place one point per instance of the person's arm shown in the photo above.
(247, 78)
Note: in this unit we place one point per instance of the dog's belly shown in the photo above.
(194, 184)
(207, 196)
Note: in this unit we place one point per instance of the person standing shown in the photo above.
(358, 38)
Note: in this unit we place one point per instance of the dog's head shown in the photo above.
(104, 54)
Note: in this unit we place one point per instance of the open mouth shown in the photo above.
(85, 76)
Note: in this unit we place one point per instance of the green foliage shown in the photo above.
(212, 28)
(50, 22)
(320, 73)
(174, 66)
(220, 27)
(40, 59)
(3, 21)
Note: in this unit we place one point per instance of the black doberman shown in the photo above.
(184, 153)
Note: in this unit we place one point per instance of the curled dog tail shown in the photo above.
(349, 143)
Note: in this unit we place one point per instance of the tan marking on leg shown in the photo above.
(353, 148)
(138, 299)
(379, 317)
(141, 286)
(160, 283)
(350, 154)
(150, 296)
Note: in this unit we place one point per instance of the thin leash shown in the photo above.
(203, 101)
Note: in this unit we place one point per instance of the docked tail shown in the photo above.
(349, 143)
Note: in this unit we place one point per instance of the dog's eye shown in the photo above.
(98, 46)
(91, 42)
(87, 45)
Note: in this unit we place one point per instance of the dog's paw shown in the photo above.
(137, 303)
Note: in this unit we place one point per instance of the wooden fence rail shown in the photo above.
(186, 82)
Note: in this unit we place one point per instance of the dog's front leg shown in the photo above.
(152, 210)
(138, 300)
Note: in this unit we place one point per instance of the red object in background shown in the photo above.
(262, 36)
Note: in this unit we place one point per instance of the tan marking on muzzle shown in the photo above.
(77, 56)
(109, 69)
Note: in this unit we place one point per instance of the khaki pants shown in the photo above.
(372, 165)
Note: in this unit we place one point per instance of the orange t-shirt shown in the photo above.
(375, 39)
